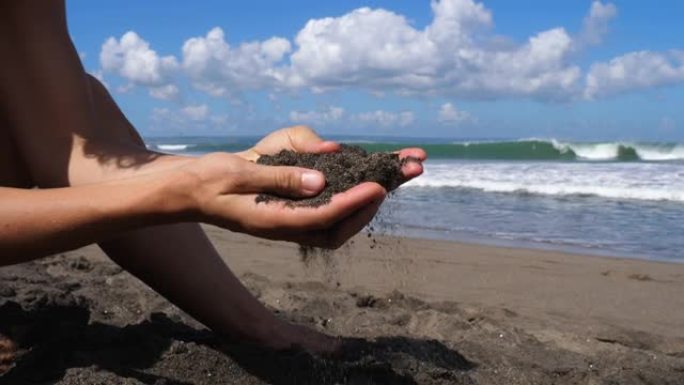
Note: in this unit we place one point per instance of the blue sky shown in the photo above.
(450, 68)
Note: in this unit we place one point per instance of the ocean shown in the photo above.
(605, 198)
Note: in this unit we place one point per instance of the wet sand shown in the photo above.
(435, 312)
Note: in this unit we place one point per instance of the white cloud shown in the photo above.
(219, 69)
(595, 24)
(122, 89)
(367, 48)
(330, 115)
(164, 114)
(337, 116)
(380, 50)
(384, 119)
(539, 68)
(449, 114)
(132, 59)
(196, 112)
(189, 117)
(456, 21)
(635, 71)
(165, 92)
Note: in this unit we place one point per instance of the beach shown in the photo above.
(502, 184)
(433, 311)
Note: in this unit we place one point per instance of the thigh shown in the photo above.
(111, 147)
(112, 125)
(13, 171)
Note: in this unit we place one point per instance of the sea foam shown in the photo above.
(642, 181)
(172, 147)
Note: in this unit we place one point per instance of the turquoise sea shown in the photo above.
(608, 198)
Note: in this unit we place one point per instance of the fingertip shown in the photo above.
(312, 182)
(412, 169)
(413, 152)
(319, 147)
(328, 146)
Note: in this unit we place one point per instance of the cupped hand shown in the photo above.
(224, 187)
(230, 183)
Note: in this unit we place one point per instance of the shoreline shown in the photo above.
(569, 249)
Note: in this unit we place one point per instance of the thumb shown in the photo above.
(287, 181)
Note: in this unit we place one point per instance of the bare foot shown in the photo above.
(7, 353)
(291, 336)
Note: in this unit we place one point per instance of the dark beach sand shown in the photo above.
(436, 312)
(344, 169)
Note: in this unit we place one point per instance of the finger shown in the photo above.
(338, 234)
(413, 152)
(281, 180)
(325, 146)
(411, 169)
(412, 159)
(277, 216)
(305, 139)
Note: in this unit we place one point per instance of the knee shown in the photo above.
(114, 125)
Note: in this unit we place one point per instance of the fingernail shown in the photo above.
(312, 182)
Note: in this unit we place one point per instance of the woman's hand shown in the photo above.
(224, 188)
(227, 186)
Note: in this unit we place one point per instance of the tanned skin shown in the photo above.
(74, 171)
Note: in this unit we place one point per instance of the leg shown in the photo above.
(13, 173)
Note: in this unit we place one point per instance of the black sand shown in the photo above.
(71, 330)
(343, 170)
(80, 320)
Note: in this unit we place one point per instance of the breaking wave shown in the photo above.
(536, 149)
(172, 147)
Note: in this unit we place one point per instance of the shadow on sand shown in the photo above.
(52, 339)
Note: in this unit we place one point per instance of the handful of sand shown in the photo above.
(344, 169)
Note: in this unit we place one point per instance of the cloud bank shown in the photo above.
(457, 55)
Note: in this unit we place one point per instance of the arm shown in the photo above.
(35, 223)
(217, 188)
